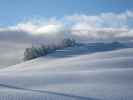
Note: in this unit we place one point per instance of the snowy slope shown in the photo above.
(11, 53)
(71, 74)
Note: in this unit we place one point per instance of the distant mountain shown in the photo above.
(95, 47)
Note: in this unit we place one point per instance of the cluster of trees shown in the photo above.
(34, 52)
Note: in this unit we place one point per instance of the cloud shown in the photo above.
(105, 26)
(89, 28)
(30, 32)
(111, 19)
(102, 27)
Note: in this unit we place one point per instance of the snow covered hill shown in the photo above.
(73, 73)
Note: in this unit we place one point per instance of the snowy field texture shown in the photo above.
(74, 73)
(11, 53)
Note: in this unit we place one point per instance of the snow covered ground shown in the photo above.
(74, 73)
(11, 53)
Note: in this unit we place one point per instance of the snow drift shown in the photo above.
(89, 76)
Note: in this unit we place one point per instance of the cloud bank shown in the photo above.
(102, 27)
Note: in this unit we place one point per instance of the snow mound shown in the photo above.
(80, 76)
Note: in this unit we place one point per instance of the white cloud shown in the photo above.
(105, 26)
(102, 27)
(104, 19)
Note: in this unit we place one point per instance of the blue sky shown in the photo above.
(13, 11)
